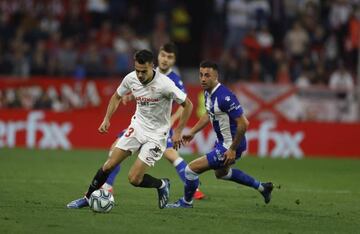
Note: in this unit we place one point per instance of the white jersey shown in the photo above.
(153, 101)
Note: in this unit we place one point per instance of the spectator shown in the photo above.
(67, 58)
(237, 23)
(39, 59)
(341, 81)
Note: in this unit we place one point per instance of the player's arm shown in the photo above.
(184, 117)
(127, 98)
(176, 115)
(201, 123)
(112, 106)
(242, 125)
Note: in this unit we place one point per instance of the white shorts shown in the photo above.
(151, 148)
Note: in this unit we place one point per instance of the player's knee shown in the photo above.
(190, 174)
(223, 174)
(219, 174)
(108, 167)
(134, 179)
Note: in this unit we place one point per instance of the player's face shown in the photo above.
(208, 78)
(144, 72)
(166, 60)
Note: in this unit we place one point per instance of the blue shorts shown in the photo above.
(216, 156)
(169, 143)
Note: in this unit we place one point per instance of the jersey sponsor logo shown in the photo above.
(145, 101)
(233, 106)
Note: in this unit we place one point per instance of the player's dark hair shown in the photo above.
(169, 47)
(209, 64)
(144, 56)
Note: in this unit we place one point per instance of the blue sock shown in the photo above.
(110, 180)
(190, 188)
(242, 178)
(180, 169)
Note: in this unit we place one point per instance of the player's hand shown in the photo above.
(187, 138)
(104, 126)
(177, 140)
(229, 156)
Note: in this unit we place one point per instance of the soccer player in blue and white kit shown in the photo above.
(230, 124)
(147, 133)
(166, 60)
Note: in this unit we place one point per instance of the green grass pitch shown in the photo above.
(312, 196)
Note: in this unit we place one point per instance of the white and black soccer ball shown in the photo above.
(101, 201)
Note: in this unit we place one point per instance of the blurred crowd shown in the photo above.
(304, 42)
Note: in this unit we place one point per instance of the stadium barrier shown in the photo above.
(77, 127)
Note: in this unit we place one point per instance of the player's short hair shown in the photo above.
(169, 47)
(144, 56)
(209, 64)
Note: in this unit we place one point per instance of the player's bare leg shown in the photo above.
(138, 177)
(116, 157)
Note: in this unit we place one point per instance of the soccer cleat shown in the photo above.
(268, 187)
(164, 194)
(78, 203)
(180, 204)
(198, 195)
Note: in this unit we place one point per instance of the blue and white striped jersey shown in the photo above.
(223, 108)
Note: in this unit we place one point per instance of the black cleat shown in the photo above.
(268, 188)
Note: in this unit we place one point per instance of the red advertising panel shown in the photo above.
(79, 130)
(77, 127)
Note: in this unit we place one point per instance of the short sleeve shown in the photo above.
(174, 92)
(123, 87)
(231, 105)
(180, 85)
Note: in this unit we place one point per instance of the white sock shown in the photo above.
(162, 184)
(260, 188)
(178, 161)
(189, 203)
(189, 174)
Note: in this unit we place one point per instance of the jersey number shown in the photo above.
(129, 132)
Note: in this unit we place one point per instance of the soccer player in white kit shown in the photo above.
(166, 60)
(148, 130)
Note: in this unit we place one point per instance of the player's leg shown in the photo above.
(117, 156)
(240, 177)
(150, 152)
(180, 164)
(108, 185)
(192, 172)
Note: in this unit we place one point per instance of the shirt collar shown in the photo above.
(215, 88)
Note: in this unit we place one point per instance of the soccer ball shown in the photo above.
(101, 201)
